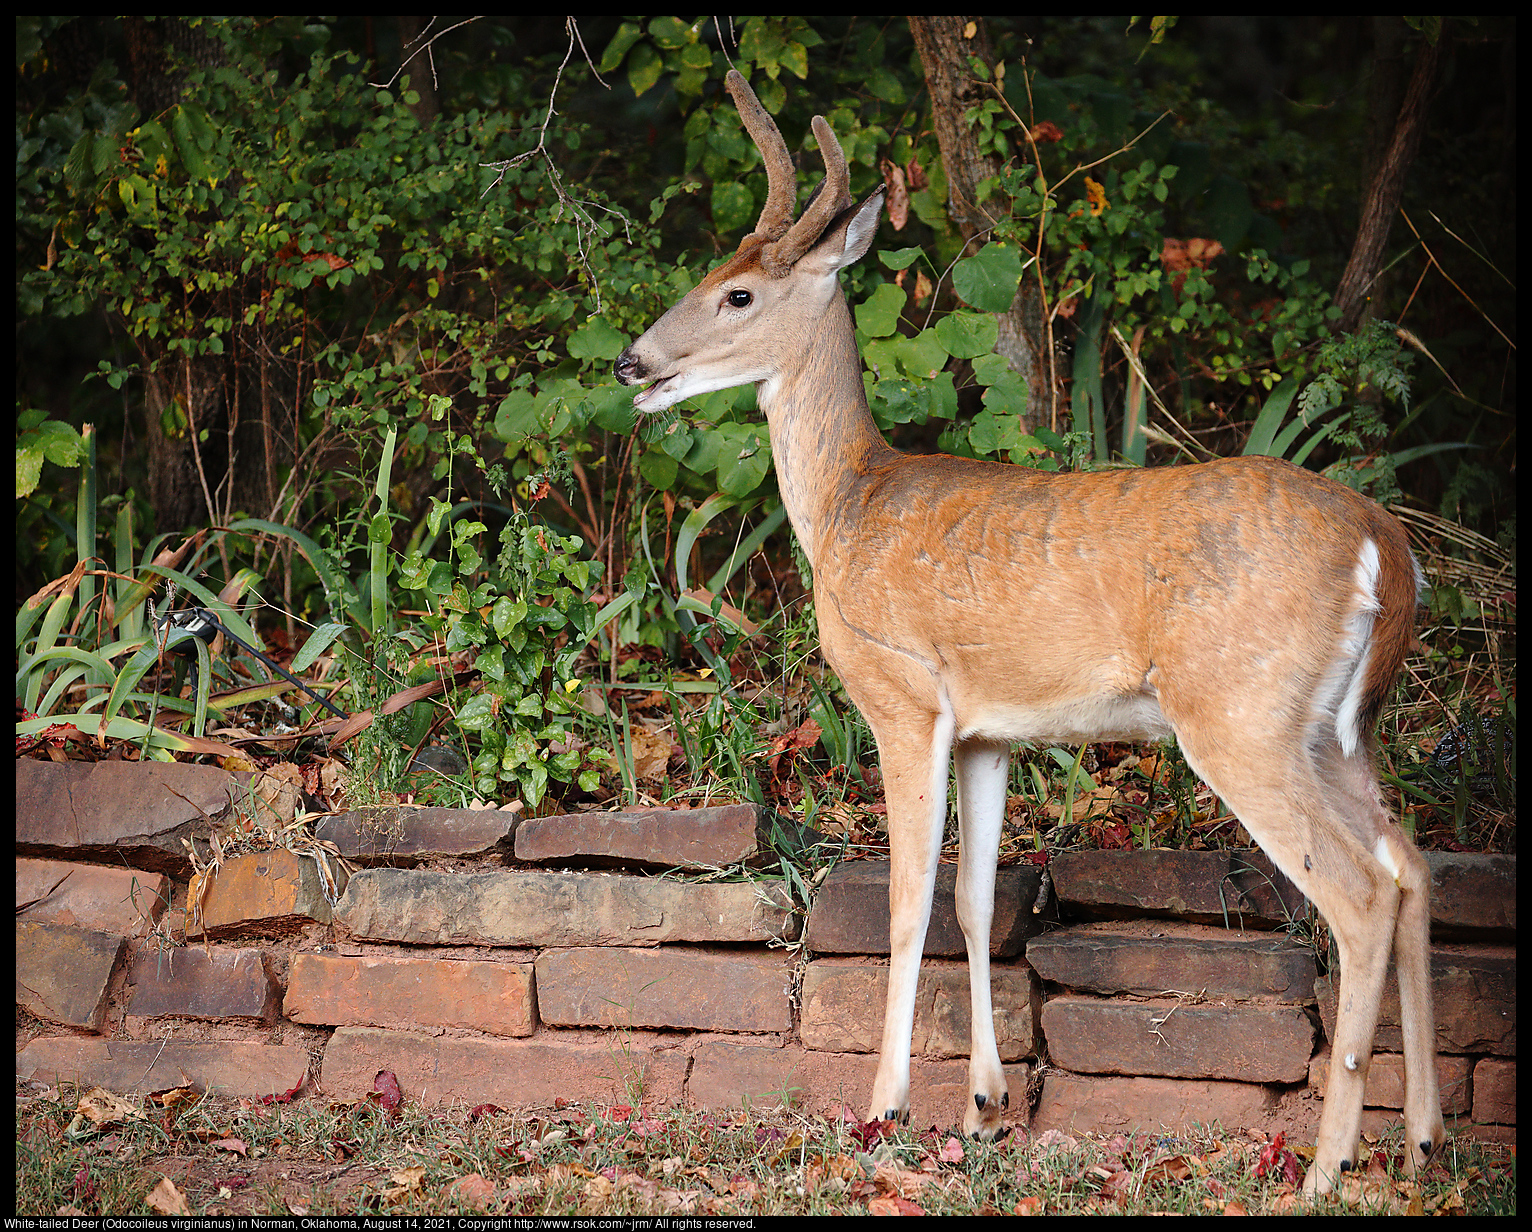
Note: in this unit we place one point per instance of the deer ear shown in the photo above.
(847, 240)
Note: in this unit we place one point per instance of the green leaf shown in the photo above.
(924, 355)
(743, 459)
(885, 85)
(988, 279)
(627, 34)
(29, 469)
(669, 32)
(733, 206)
(968, 334)
(900, 258)
(596, 339)
(612, 408)
(659, 469)
(644, 67)
(516, 418)
(878, 315)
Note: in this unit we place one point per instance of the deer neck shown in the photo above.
(823, 437)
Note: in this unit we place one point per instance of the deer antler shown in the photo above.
(789, 240)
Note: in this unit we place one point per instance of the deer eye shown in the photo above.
(739, 298)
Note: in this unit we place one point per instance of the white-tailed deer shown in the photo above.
(1257, 611)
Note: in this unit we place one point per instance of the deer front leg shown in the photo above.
(914, 760)
(982, 769)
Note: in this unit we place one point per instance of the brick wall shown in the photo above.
(484, 959)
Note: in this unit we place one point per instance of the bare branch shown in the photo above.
(586, 226)
(383, 85)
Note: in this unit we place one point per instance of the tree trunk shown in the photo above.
(945, 45)
(421, 73)
(1381, 201)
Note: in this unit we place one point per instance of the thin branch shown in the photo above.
(586, 227)
(383, 85)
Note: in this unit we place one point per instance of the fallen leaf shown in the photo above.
(386, 1091)
(406, 1181)
(166, 1199)
(473, 1190)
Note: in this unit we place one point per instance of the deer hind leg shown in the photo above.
(982, 769)
(1315, 830)
(1352, 779)
(914, 757)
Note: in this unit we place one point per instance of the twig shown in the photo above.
(383, 85)
(585, 225)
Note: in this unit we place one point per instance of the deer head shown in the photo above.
(775, 290)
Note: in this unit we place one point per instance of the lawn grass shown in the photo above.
(181, 1152)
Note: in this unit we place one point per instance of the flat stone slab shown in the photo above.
(850, 914)
(230, 1067)
(673, 987)
(120, 812)
(1152, 959)
(1231, 888)
(407, 835)
(659, 838)
(108, 900)
(63, 973)
(411, 993)
(1177, 1039)
(417, 907)
(1473, 896)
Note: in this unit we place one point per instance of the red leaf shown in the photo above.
(386, 1091)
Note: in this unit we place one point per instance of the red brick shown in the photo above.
(203, 983)
(603, 1067)
(668, 987)
(843, 1002)
(411, 993)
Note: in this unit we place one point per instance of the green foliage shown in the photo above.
(303, 241)
(522, 630)
(40, 439)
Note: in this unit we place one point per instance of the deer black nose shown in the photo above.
(627, 369)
